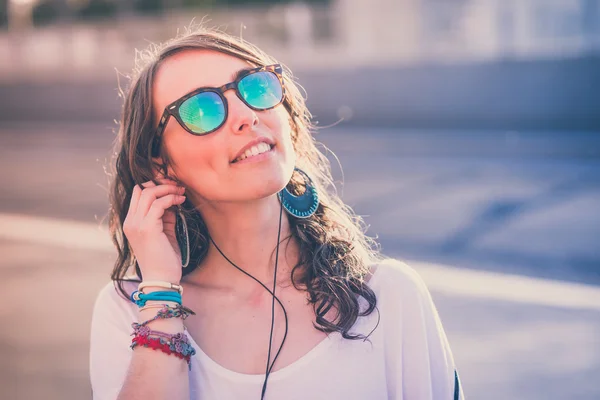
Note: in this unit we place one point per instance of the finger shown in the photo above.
(148, 184)
(135, 198)
(161, 181)
(136, 195)
(151, 194)
(158, 208)
(165, 181)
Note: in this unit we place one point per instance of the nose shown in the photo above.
(241, 117)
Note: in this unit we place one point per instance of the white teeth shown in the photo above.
(255, 150)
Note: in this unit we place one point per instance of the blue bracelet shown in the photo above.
(140, 298)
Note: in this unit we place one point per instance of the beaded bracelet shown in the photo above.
(168, 311)
(177, 344)
(140, 298)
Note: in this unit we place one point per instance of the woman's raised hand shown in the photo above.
(150, 228)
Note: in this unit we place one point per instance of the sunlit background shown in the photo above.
(468, 133)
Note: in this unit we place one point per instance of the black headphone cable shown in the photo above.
(275, 298)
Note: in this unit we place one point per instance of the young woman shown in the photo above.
(240, 272)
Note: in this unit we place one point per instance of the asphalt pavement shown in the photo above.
(503, 226)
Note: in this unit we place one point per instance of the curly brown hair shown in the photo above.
(335, 254)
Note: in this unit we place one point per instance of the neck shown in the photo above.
(247, 235)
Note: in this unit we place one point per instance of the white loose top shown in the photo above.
(407, 357)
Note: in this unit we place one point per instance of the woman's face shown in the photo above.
(207, 165)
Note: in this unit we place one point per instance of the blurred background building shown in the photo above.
(468, 132)
(431, 63)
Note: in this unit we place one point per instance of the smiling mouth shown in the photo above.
(254, 151)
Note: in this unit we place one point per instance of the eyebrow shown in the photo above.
(239, 73)
(234, 77)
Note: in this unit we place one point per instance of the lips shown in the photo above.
(254, 147)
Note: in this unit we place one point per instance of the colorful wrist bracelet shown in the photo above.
(177, 344)
(164, 346)
(140, 298)
(168, 311)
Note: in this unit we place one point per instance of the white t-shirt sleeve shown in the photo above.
(420, 363)
(110, 339)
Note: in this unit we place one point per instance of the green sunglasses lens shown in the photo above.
(261, 90)
(203, 112)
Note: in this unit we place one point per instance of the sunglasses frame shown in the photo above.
(173, 108)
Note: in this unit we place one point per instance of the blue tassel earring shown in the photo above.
(302, 206)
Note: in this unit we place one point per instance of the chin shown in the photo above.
(264, 186)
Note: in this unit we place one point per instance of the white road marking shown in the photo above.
(508, 287)
(55, 232)
(439, 278)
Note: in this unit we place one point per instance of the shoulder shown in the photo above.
(421, 360)
(110, 340)
(390, 276)
(400, 290)
(405, 302)
(110, 293)
(110, 303)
